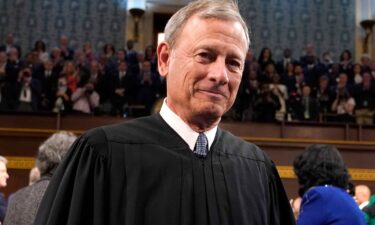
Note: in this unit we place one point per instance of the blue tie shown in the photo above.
(201, 147)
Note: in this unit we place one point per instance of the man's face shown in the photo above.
(146, 66)
(3, 175)
(120, 55)
(64, 41)
(204, 68)
(306, 91)
(122, 67)
(48, 65)
(298, 70)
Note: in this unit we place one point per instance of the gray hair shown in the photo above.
(226, 10)
(52, 151)
(3, 160)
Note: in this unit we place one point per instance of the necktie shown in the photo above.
(201, 147)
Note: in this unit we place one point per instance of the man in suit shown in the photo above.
(9, 44)
(4, 176)
(47, 76)
(66, 51)
(149, 86)
(124, 84)
(176, 166)
(307, 107)
(287, 58)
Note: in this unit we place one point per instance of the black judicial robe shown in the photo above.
(141, 172)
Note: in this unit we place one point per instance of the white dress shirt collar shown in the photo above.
(182, 129)
(363, 205)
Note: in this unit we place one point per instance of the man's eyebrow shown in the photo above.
(231, 54)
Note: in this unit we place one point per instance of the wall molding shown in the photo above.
(246, 138)
(286, 172)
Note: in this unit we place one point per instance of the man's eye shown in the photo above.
(234, 65)
(205, 57)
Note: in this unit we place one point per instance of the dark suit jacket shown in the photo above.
(128, 82)
(312, 113)
(48, 88)
(35, 92)
(3, 207)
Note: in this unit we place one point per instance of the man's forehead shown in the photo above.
(194, 21)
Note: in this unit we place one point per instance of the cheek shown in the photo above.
(234, 85)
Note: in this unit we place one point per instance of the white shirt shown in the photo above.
(363, 205)
(25, 95)
(182, 129)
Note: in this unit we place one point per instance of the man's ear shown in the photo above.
(164, 53)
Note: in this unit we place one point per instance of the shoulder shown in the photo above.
(145, 130)
(232, 145)
(19, 195)
(323, 190)
(325, 194)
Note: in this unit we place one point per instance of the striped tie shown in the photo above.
(201, 147)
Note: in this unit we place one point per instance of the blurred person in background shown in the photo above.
(369, 211)
(323, 179)
(362, 195)
(4, 176)
(34, 175)
(25, 202)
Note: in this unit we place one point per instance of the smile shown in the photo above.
(213, 93)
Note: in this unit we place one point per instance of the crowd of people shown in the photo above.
(78, 80)
(114, 82)
(307, 89)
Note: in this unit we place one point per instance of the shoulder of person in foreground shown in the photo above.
(235, 146)
(135, 131)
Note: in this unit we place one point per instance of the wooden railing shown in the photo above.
(21, 134)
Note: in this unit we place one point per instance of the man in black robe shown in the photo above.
(176, 167)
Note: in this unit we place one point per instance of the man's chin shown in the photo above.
(210, 110)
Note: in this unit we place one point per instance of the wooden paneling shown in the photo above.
(20, 136)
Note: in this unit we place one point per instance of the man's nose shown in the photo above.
(218, 72)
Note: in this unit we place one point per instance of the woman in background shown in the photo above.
(323, 178)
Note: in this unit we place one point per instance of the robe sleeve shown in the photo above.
(76, 193)
(281, 212)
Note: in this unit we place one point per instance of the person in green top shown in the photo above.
(369, 211)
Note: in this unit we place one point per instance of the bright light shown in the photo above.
(137, 4)
(160, 37)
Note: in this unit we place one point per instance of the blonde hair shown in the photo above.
(226, 10)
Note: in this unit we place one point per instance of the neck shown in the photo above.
(197, 122)
(203, 123)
